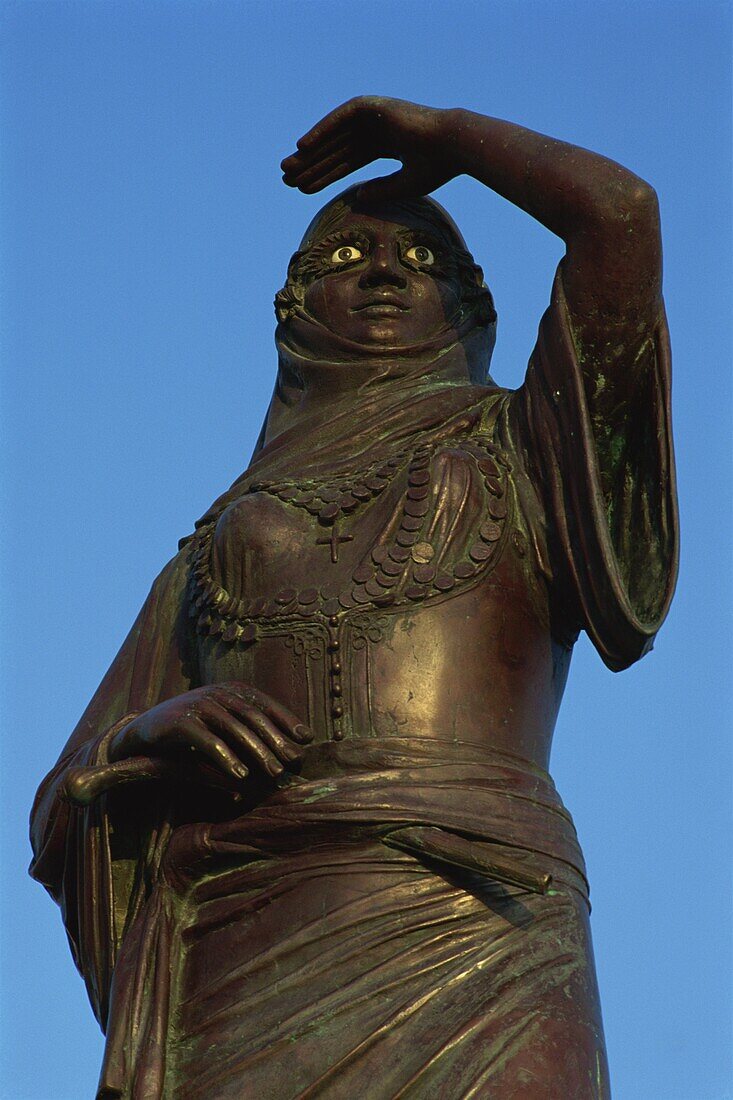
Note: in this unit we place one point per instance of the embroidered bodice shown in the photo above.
(384, 598)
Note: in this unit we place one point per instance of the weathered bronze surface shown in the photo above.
(304, 838)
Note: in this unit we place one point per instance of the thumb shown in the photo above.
(398, 185)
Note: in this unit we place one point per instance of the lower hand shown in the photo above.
(232, 728)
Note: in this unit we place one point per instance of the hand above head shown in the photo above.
(231, 726)
(369, 128)
(607, 216)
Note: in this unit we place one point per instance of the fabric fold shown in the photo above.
(614, 529)
(219, 918)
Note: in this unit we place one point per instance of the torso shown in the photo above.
(402, 600)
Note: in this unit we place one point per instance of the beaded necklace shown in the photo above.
(399, 570)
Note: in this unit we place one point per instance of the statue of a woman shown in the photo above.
(304, 838)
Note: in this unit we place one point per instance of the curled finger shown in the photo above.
(193, 732)
(280, 744)
(243, 725)
(243, 735)
(288, 722)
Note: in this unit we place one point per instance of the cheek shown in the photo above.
(324, 299)
(436, 299)
(313, 299)
(451, 296)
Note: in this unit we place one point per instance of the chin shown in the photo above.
(383, 334)
(389, 335)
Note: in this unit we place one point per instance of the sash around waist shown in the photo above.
(377, 786)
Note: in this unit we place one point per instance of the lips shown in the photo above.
(386, 306)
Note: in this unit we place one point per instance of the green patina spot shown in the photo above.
(599, 1076)
(320, 792)
(616, 447)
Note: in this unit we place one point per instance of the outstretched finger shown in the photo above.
(193, 732)
(306, 158)
(331, 124)
(342, 154)
(338, 173)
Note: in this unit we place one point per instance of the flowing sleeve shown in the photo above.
(97, 861)
(606, 483)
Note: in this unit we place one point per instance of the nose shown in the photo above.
(383, 269)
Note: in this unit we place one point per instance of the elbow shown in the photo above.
(641, 200)
(621, 219)
(631, 204)
(612, 195)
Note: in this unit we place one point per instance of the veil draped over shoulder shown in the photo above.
(337, 402)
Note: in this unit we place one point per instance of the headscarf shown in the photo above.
(338, 404)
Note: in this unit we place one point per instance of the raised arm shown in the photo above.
(606, 215)
(592, 419)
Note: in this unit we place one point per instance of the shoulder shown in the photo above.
(168, 587)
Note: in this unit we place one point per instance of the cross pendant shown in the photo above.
(333, 541)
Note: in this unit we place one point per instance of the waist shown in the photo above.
(409, 679)
(346, 789)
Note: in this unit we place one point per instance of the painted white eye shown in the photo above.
(420, 254)
(346, 254)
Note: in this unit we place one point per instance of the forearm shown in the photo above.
(607, 216)
(570, 190)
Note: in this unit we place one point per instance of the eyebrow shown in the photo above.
(363, 230)
(425, 235)
(347, 231)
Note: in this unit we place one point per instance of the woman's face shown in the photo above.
(387, 280)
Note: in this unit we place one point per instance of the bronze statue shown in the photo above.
(303, 838)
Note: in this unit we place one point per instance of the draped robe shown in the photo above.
(333, 935)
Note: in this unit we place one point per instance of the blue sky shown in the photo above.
(144, 233)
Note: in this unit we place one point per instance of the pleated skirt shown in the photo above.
(352, 970)
(291, 951)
